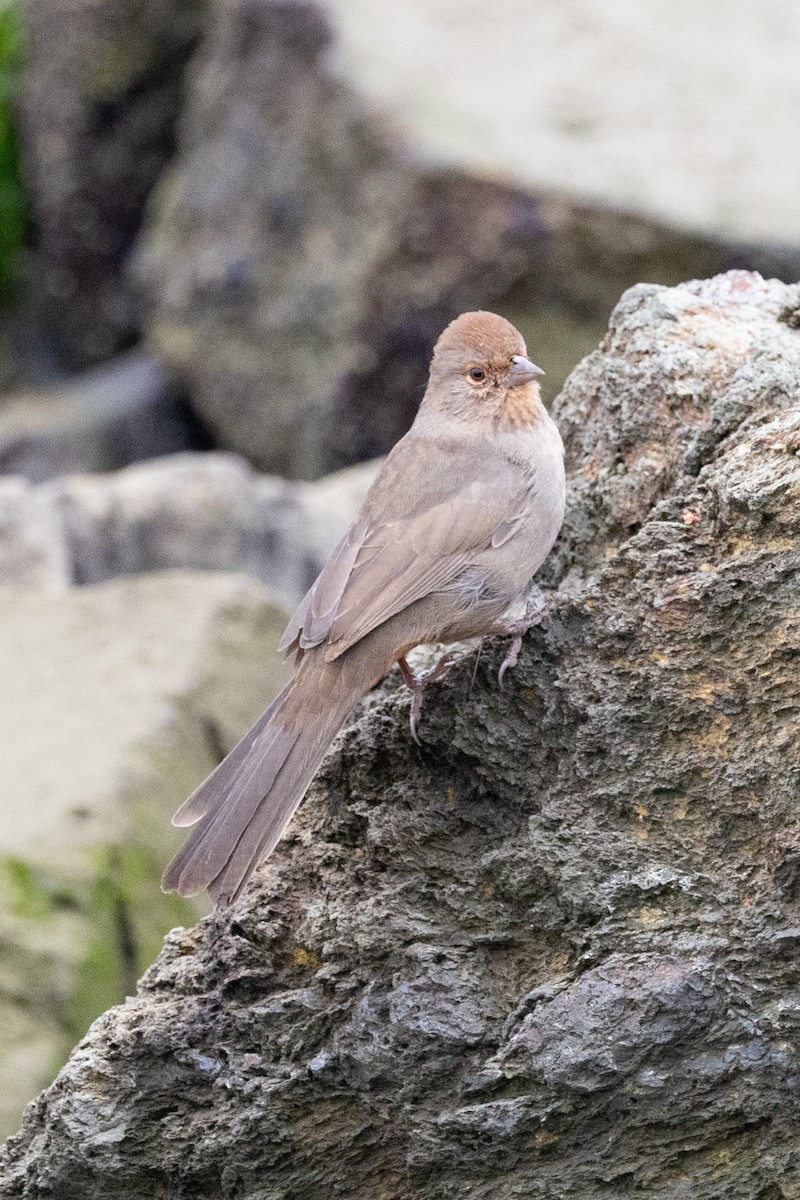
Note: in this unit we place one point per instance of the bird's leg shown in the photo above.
(537, 610)
(417, 684)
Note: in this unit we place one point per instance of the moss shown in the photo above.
(128, 917)
(73, 951)
(29, 898)
(14, 205)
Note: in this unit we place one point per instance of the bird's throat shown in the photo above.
(521, 409)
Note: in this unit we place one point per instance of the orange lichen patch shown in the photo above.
(543, 1138)
(304, 958)
(558, 963)
(736, 547)
(715, 735)
(648, 916)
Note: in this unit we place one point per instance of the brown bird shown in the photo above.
(462, 513)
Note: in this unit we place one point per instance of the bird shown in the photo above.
(462, 513)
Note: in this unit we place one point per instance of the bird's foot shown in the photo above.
(538, 609)
(417, 684)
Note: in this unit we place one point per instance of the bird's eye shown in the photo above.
(477, 374)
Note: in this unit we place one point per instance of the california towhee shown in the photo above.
(460, 516)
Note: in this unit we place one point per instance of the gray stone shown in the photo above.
(105, 418)
(208, 512)
(283, 200)
(32, 547)
(553, 952)
(101, 93)
(680, 134)
(300, 266)
(116, 701)
(708, 356)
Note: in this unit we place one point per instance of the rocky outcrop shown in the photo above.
(101, 94)
(552, 951)
(207, 512)
(117, 700)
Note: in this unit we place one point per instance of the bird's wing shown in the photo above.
(314, 615)
(430, 510)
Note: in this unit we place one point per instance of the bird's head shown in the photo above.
(481, 371)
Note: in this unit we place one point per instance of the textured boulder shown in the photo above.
(116, 701)
(553, 951)
(300, 266)
(101, 94)
(679, 371)
(284, 197)
(201, 511)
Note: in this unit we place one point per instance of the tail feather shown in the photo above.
(241, 810)
(223, 774)
(211, 843)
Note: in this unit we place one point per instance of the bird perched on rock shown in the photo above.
(462, 513)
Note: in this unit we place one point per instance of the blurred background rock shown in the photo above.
(230, 231)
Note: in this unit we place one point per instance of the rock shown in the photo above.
(300, 266)
(100, 99)
(553, 952)
(106, 418)
(117, 700)
(703, 376)
(282, 203)
(201, 511)
(32, 547)
(681, 135)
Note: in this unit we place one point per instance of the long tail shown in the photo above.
(242, 808)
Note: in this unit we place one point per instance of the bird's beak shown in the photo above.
(522, 370)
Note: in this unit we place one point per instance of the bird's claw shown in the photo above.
(536, 612)
(416, 684)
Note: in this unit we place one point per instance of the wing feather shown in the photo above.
(314, 615)
(392, 556)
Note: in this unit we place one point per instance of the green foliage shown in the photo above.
(14, 213)
(27, 896)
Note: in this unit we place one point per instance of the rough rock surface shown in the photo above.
(553, 951)
(207, 512)
(100, 98)
(117, 700)
(300, 266)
